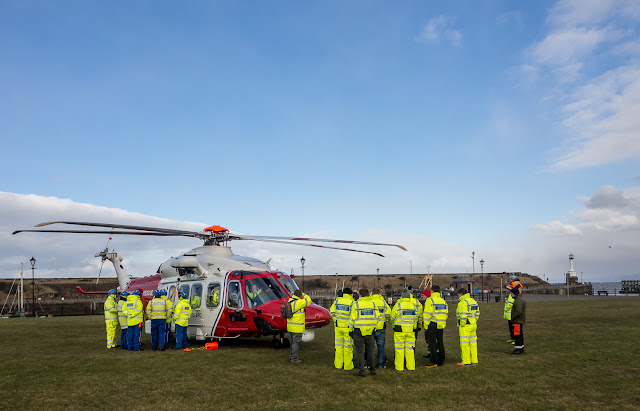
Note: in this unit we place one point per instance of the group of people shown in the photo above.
(129, 311)
(362, 322)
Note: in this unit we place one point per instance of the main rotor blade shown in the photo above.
(313, 245)
(127, 227)
(324, 240)
(102, 232)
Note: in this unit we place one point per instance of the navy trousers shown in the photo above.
(157, 333)
(182, 340)
(133, 340)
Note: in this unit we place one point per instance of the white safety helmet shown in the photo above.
(308, 335)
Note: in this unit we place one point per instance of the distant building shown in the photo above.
(463, 282)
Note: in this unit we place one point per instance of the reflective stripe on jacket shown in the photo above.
(296, 324)
(182, 312)
(364, 315)
(122, 315)
(134, 309)
(405, 314)
(468, 311)
(110, 309)
(157, 309)
(169, 308)
(341, 311)
(508, 305)
(435, 310)
(384, 311)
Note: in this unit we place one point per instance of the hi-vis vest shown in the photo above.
(435, 310)
(110, 309)
(182, 312)
(405, 315)
(295, 324)
(122, 316)
(383, 310)
(364, 315)
(169, 308)
(468, 311)
(157, 309)
(341, 311)
(134, 309)
(508, 305)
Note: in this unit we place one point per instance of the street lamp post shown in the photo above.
(33, 285)
(482, 268)
(473, 258)
(378, 276)
(302, 260)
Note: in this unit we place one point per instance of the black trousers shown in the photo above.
(363, 344)
(510, 325)
(436, 343)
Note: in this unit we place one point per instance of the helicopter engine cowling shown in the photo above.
(188, 264)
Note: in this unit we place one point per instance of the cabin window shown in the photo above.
(288, 284)
(185, 289)
(234, 296)
(196, 296)
(213, 295)
(261, 290)
(172, 295)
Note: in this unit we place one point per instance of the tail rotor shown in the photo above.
(103, 254)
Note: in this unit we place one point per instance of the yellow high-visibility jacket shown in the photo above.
(384, 311)
(111, 309)
(341, 311)
(364, 315)
(182, 312)
(468, 311)
(134, 309)
(436, 310)
(405, 315)
(157, 309)
(295, 324)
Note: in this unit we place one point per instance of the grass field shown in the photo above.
(579, 355)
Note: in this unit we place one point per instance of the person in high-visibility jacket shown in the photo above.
(419, 308)
(181, 314)
(518, 320)
(364, 320)
(167, 326)
(508, 305)
(514, 282)
(296, 324)
(405, 319)
(380, 334)
(195, 301)
(122, 319)
(340, 312)
(434, 319)
(135, 312)
(468, 313)
(157, 313)
(111, 318)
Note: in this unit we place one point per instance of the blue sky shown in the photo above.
(509, 129)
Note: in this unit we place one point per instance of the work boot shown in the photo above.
(359, 374)
(296, 361)
(517, 351)
(372, 371)
(431, 366)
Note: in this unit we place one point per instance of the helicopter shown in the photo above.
(231, 296)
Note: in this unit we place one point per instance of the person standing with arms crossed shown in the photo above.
(468, 313)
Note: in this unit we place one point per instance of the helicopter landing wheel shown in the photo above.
(276, 344)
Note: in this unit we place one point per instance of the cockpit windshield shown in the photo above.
(288, 284)
(262, 290)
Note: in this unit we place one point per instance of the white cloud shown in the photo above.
(556, 227)
(591, 51)
(438, 28)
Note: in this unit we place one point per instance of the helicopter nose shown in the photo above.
(317, 316)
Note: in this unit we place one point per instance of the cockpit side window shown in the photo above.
(213, 295)
(185, 289)
(234, 296)
(261, 290)
(288, 284)
(196, 296)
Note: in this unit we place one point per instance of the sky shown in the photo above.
(510, 130)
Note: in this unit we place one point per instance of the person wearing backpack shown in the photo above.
(295, 324)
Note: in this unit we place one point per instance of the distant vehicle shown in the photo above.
(231, 296)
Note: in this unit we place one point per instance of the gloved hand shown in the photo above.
(351, 334)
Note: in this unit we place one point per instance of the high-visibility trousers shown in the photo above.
(405, 345)
(344, 349)
(469, 343)
(112, 326)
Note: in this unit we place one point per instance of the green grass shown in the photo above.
(579, 355)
